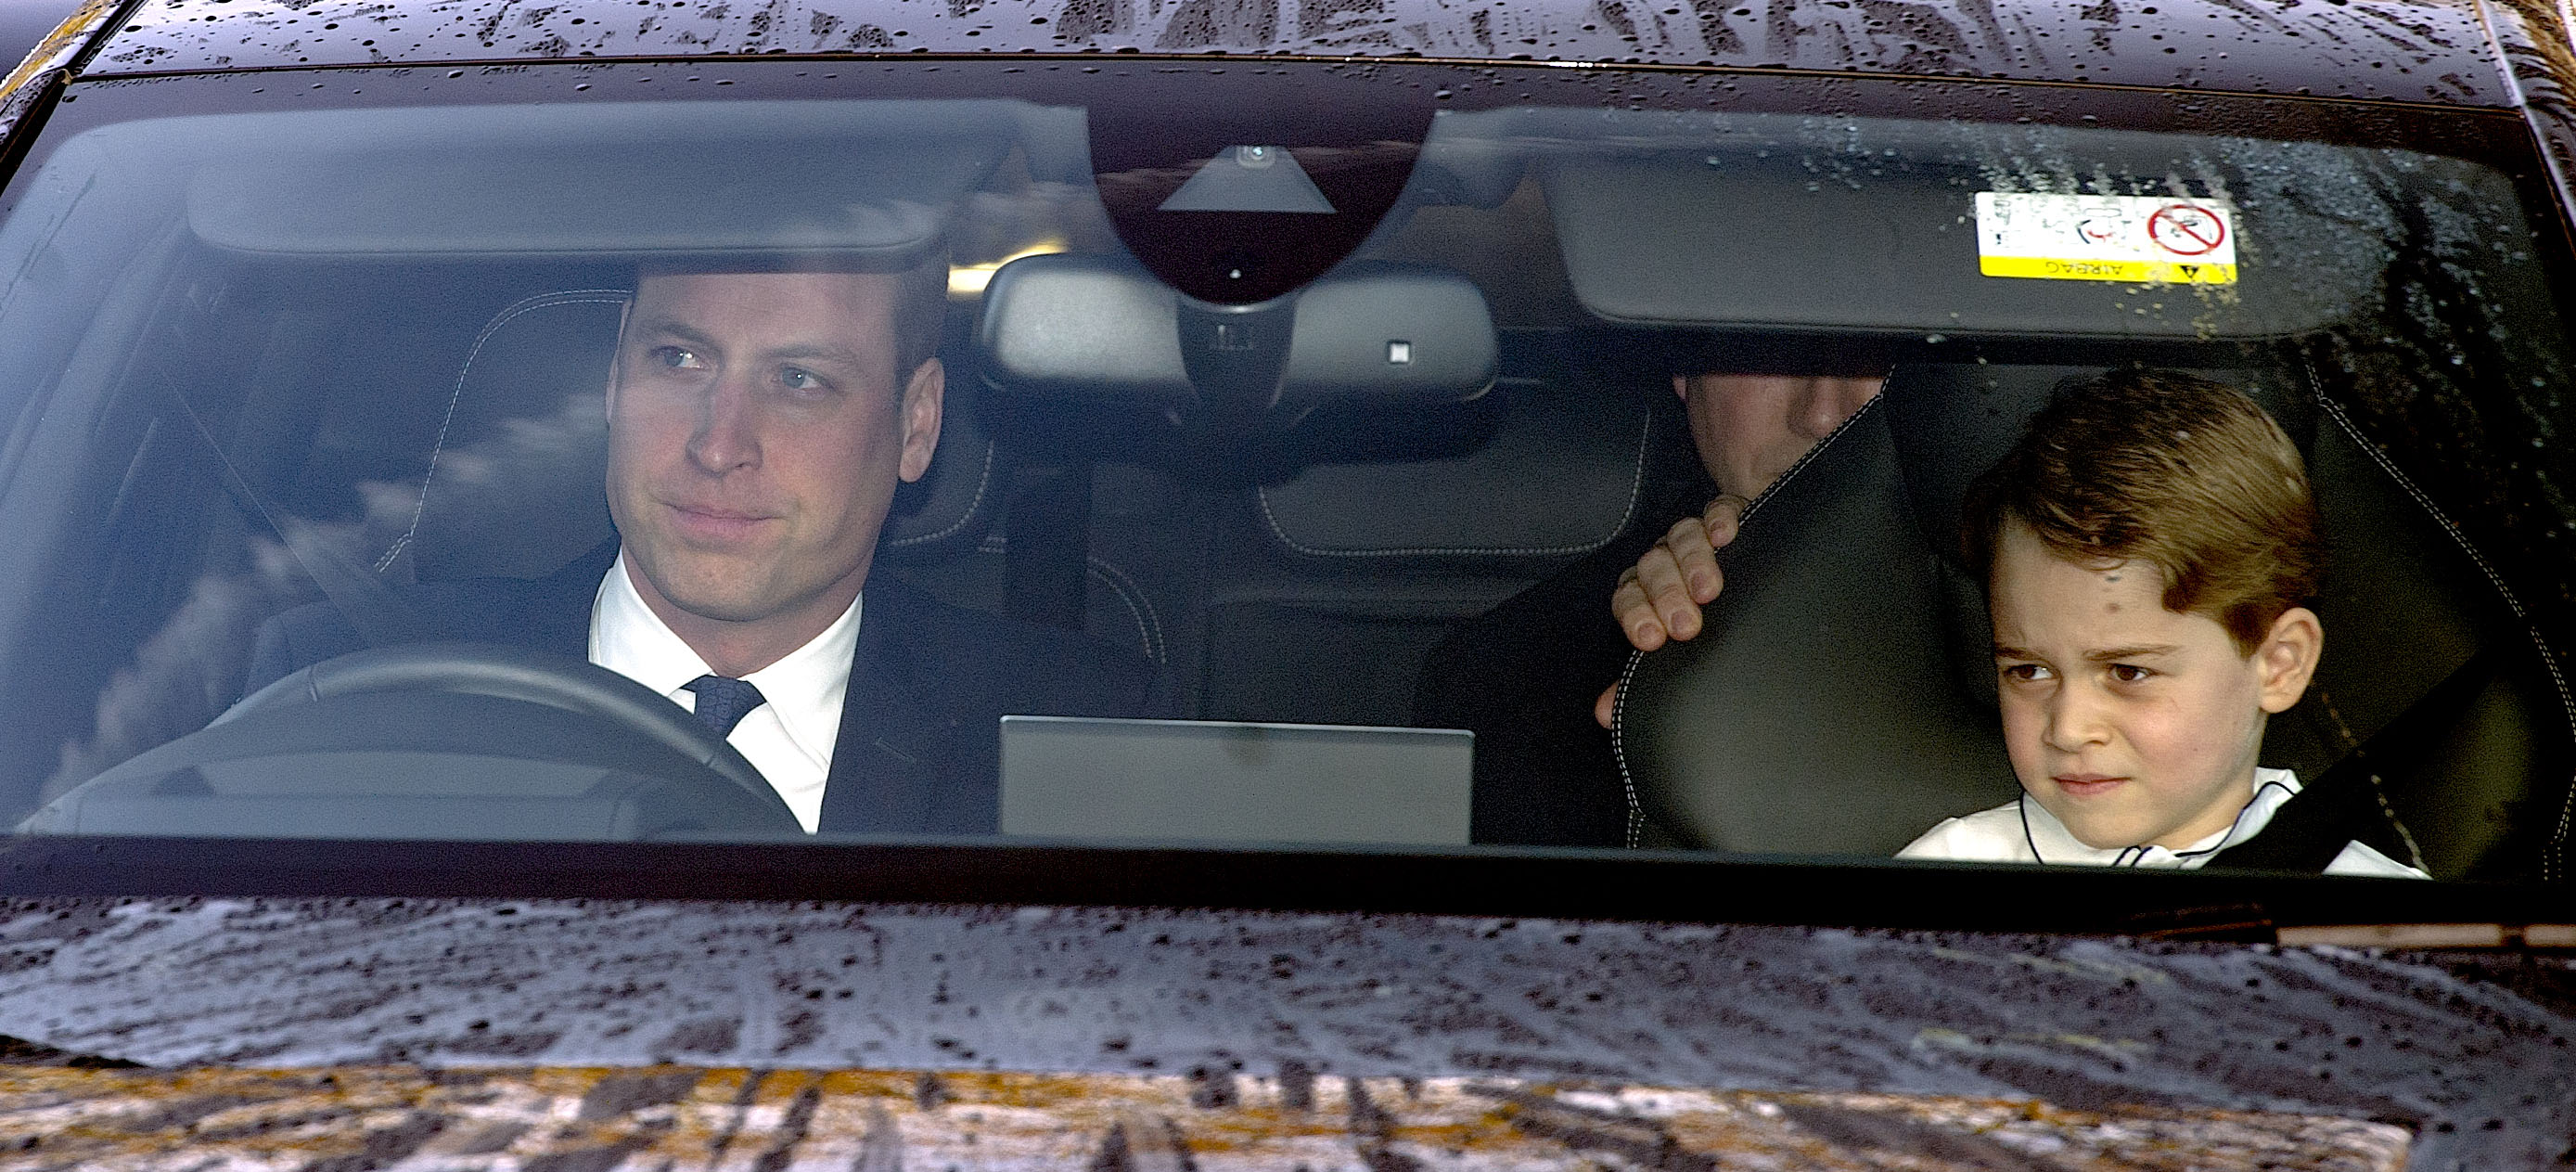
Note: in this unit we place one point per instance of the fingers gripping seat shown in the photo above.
(1816, 713)
(513, 483)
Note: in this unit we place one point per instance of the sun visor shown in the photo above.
(1098, 328)
(873, 181)
(1839, 224)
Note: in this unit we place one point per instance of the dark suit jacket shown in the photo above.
(920, 748)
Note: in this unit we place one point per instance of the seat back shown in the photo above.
(1306, 532)
(1355, 566)
(1819, 711)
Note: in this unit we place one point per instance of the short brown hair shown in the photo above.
(2182, 473)
(920, 315)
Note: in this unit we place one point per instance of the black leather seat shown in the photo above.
(1302, 566)
(1355, 566)
(1842, 699)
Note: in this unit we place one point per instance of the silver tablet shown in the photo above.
(1227, 781)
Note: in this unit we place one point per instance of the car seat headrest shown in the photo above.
(1601, 454)
(513, 483)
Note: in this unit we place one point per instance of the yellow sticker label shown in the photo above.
(2134, 272)
(2132, 239)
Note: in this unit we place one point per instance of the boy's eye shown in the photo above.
(2023, 672)
(678, 358)
(2129, 673)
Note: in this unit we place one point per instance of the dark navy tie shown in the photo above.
(723, 701)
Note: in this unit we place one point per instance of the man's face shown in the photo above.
(2131, 723)
(1751, 427)
(756, 433)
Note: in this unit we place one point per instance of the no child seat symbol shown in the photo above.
(2185, 229)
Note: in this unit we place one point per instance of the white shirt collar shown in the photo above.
(805, 688)
(2051, 842)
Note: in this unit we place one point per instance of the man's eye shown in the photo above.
(799, 379)
(2129, 673)
(678, 358)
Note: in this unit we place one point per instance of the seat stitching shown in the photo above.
(2378, 785)
(983, 480)
(1619, 751)
(507, 315)
(1619, 704)
(2549, 860)
(1813, 454)
(1140, 609)
(1148, 623)
(1636, 492)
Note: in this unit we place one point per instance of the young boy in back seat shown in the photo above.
(2147, 547)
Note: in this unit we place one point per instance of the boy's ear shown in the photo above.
(2287, 658)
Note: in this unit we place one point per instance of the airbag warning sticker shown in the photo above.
(2130, 238)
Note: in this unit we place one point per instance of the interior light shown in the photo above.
(969, 280)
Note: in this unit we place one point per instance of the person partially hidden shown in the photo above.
(1522, 675)
(2148, 546)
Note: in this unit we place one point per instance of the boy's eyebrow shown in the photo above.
(2108, 654)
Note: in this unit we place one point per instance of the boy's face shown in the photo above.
(2131, 723)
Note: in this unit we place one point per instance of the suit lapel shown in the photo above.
(888, 764)
(556, 617)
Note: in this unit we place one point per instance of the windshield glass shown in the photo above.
(554, 457)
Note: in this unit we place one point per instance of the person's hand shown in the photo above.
(1659, 597)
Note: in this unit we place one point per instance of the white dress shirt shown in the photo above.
(789, 738)
(2023, 831)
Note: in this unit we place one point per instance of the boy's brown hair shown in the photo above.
(2170, 469)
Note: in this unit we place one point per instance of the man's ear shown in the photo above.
(921, 403)
(2287, 658)
(1681, 387)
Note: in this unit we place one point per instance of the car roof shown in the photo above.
(2435, 52)
(24, 24)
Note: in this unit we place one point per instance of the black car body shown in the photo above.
(181, 988)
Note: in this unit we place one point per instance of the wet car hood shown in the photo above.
(1208, 998)
(2425, 52)
(878, 1120)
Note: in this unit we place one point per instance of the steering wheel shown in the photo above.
(513, 673)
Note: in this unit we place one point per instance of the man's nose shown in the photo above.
(1822, 406)
(727, 436)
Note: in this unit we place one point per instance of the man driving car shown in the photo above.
(1522, 675)
(758, 423)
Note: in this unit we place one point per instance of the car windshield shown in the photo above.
(1248, 454)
